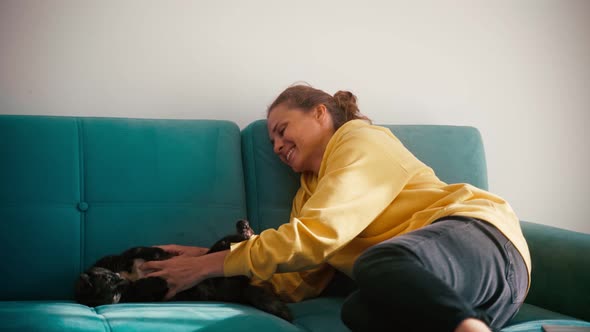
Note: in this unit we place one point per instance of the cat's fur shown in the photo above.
(117, 279)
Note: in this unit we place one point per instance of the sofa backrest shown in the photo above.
(74, 189)
(456, 154)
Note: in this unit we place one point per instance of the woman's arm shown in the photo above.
(361, 177)
(184, 272)
(362, 173)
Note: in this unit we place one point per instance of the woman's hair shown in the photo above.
(342, 106)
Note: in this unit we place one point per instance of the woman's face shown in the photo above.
(300, 138)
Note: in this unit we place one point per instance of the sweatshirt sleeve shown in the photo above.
(361, 174)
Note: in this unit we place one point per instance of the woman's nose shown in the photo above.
(278, 146)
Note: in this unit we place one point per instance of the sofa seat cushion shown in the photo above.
(537, 325)
(529, 312)
(190, 316)
(531, 318)
(319, 314)
(49, 316)
(178, 316)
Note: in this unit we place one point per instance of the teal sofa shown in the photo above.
(73, 189)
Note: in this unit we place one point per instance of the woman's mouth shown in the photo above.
(289, 154)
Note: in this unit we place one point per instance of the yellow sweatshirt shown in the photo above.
(369, 188)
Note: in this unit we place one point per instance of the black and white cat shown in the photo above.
(117, 279)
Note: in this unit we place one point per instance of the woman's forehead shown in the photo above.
(272, 124)
(277, 115)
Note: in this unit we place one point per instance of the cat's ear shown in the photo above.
(85, 280)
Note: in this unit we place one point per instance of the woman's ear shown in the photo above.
(320, 111)
(323, 116)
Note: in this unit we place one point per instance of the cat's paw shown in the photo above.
(279, 309)
(265, 300)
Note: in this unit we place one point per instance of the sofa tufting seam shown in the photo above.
(81, 175)
(155, 204)
(104, 320)
(244, 209)
(258, 178)
(484, 164)
(253, 209)
(36, 204)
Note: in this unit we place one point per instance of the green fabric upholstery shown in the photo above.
(159, 181)
(455, 153)
(529, 312)
(537, 326)
(76, 189)
(56, 316)
(73, 189)
(561, 269)
(40, 226)
(319, 314)
(190, 317)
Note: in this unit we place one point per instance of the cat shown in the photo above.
(117, 279)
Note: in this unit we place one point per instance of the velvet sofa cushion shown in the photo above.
(40, 181)
(74, 189)
(561, 269)
(58, 316)
(537, 325)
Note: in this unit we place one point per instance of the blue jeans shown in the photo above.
(433, 278)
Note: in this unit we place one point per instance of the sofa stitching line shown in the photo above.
(248, 144)
(258, 221)
(82, 195)
(104, 320)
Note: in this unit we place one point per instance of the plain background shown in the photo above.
(517, 70)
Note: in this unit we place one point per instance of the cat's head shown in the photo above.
(99, 286)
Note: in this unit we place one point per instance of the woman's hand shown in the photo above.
(183, 272)
(180, 250)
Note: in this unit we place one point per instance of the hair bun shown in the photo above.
(346, 101)
(344, 97)
(342, 106)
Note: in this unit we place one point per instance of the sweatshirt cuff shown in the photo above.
(236, 262)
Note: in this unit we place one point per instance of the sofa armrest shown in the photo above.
(561, 269)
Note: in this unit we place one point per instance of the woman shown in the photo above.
(426, 256)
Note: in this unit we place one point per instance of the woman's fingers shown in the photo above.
(180, 272)
(171, 293)
(178, 250)
(151, 266)
(171, 248)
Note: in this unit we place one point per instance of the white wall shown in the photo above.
(517, 70)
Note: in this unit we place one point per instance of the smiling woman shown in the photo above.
(440, 257)
(300, 138)
(359, 184)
